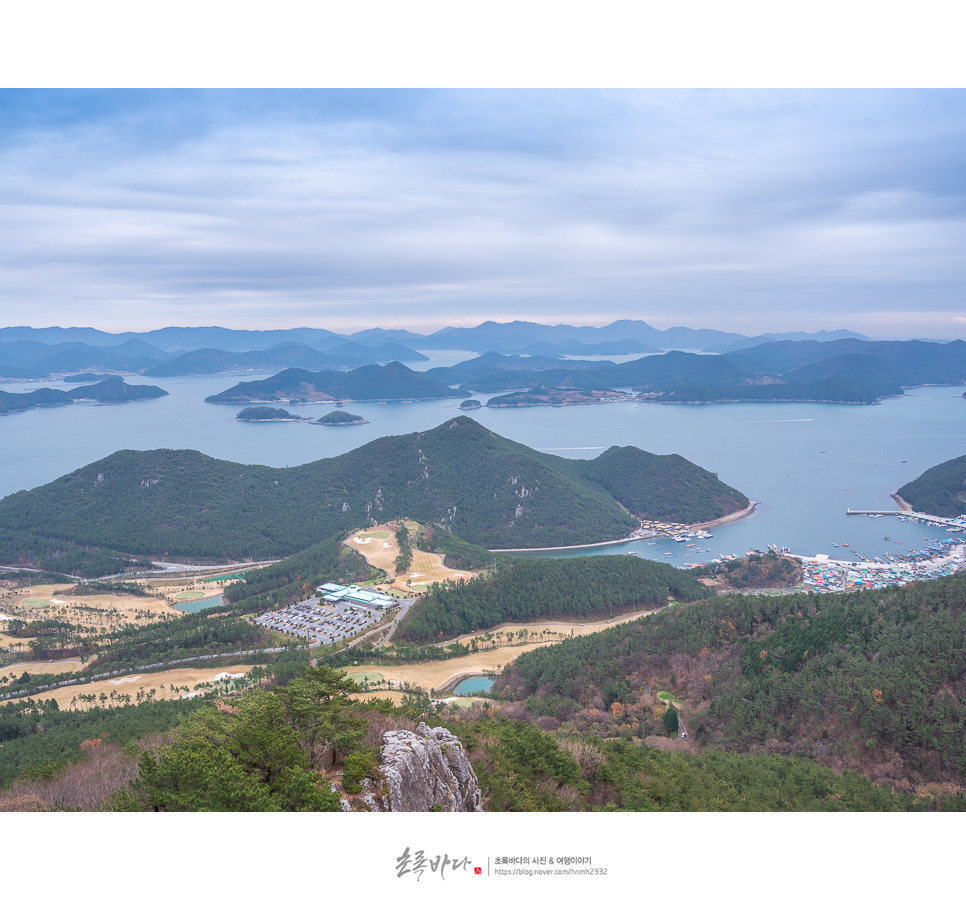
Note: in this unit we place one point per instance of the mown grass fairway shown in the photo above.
(381, 548)
(159, 681)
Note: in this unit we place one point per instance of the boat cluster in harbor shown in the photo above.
(679, 533)
(952, 525)
(935, 560)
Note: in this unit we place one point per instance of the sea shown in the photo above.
(805, 464)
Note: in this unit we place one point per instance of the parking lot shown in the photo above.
(321, 622)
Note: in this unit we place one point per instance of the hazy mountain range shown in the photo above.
(27, 353)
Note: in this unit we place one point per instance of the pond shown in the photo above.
(203, 604)
(473, 685)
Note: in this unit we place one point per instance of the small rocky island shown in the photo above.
(267, 414)
(470, 404)
(341, 418)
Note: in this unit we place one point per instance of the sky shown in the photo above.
(747, 211)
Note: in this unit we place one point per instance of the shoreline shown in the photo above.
(727, 519)
(900, 501)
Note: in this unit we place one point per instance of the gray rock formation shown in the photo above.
(428, 770)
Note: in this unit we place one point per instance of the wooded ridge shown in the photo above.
(460, 477)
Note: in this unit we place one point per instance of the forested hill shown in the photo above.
(526, 590)
(662, 488)
(940, 490)
(874, 680)
(486, 489)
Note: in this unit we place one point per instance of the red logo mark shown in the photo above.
(477, 870)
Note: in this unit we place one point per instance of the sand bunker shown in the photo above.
(126, 680)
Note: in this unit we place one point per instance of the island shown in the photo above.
(109, 390)
(555, 396)
(341, 418)
(295, 386)
(476, 404)
(115, 390)
(267, 414)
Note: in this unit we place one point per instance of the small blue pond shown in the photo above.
(472, 685)
(203, 604)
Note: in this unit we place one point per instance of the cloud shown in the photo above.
(344, 209)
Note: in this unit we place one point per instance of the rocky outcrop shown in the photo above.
(428, 770)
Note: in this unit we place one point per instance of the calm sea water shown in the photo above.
(805, 463)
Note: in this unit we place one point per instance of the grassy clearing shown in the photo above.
(35, 603)
(372, 676)
(669, 698)
(381, 548)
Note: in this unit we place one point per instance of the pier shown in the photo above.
(913, 516)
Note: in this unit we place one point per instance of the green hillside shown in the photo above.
(874, 681)
(485, 489)
(662, 488)
(525, 590)
(941, 490)
(264, 752)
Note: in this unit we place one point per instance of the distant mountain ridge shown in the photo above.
(394, 381)
(515, 336)
(844, 371)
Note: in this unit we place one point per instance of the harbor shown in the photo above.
(893, 567)
(823, 575)
(935, 558)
